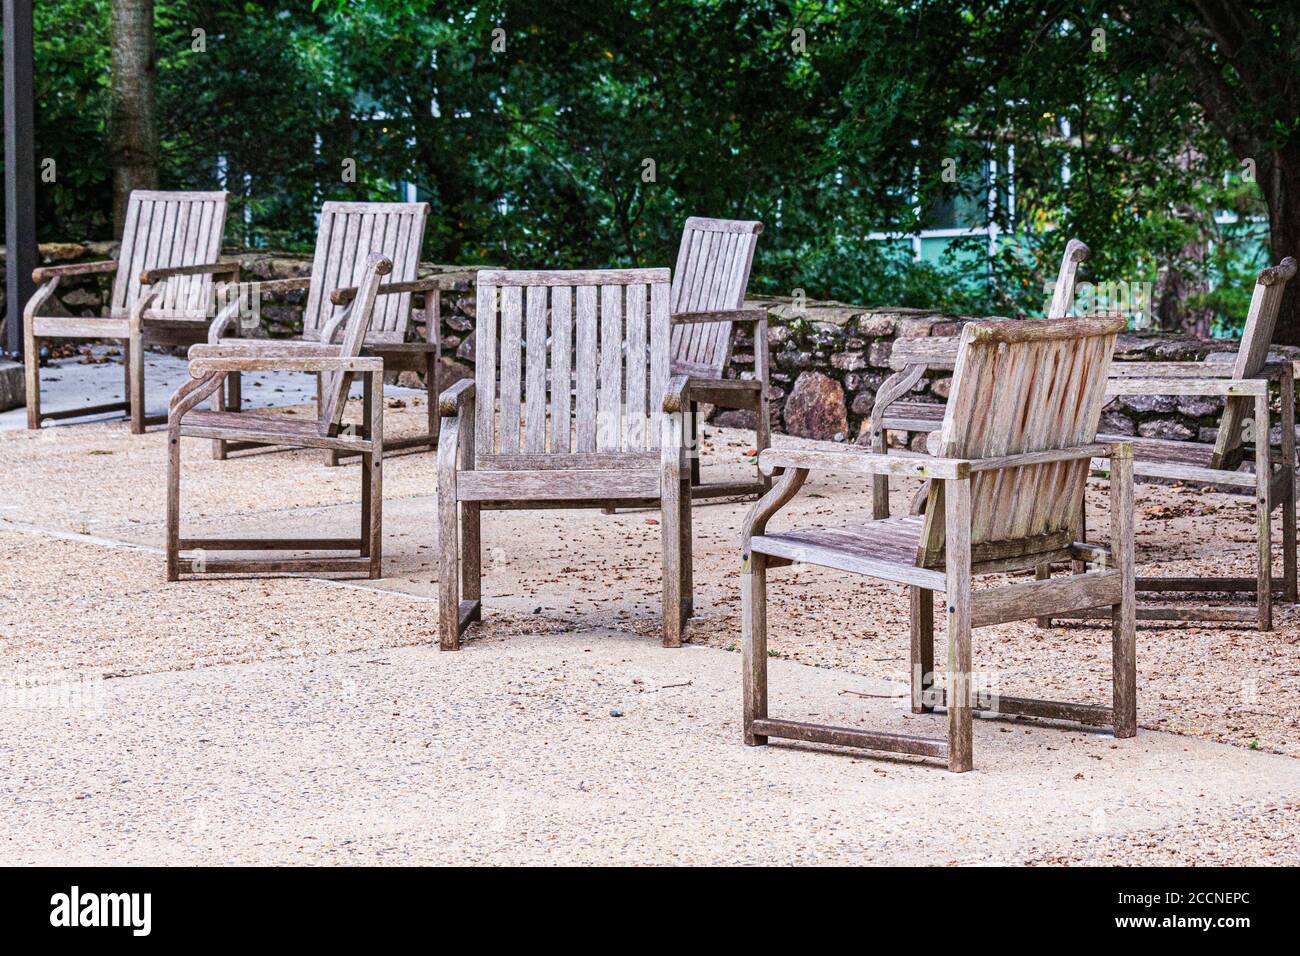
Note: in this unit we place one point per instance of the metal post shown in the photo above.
(20, 167)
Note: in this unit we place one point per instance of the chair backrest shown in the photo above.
(335, 385)
(348, 232)
(1022, 387)
(1252, 354)
(607, 373)
(712, 272)
(165, 229)
(1063, 291)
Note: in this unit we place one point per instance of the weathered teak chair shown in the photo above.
(608, 433)
(346, 235)
(707, 300)
(911, 358)
(1243, 383)
(210, 365)
(1005, 491)
(162, 293)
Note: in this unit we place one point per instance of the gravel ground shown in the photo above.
(81, 592)
(592, 747)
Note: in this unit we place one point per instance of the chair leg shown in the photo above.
(135, 348)
(1263, 472)
(434, 424)
(365, 505)
(448, 570)
(1289, 588)
(1043, 572)
(372, 503)
(957, 516)
(688, 555)
(693, 449)
(1123, 614)
(879, 483)
(173, 503)
(753, 637)
(471, 555)
(763, 436)
(670, 520)
(32, 374)
(922, 622)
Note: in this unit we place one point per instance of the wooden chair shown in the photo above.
(210, 365)
(614, 437)
(707, 301)
(348, 232)
(162, 294)
(911, 358)
(1269, 475)
(1005, 491)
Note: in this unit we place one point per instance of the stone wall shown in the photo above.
(828, 358)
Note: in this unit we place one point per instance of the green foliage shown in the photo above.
(528, 127)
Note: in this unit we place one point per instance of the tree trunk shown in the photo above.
(1281, 188)
(133, 115)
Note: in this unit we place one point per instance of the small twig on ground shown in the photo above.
(858, 693)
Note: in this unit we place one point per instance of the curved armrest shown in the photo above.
(901, 466)
(453, 400)
(44, 273)
(718, 315)
(346, 295)
(151, 276)
(675, 393)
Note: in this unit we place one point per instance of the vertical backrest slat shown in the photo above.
(1252, 354)
(511, 346)
(561, 370)
(487, 304)
(535, 383)
(660, 333)
(587, 360)
(638, 346)
(609, 420)
(1021, 387)
(127, 252)
(335, 385)
(608, 349)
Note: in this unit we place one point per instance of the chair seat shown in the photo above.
(885, 549)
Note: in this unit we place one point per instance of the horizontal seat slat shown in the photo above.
(555, 484)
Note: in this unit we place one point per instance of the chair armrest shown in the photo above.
(1187, 386)
(286, 363)
(45, 273)
(258, 348)
(675, 394)
(456, 398)
(901, 466)
(346, 295)
(270, 356)
(718, 315)
(152, 276)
